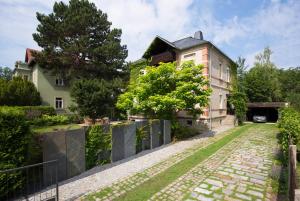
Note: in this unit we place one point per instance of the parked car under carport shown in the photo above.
(266, 109)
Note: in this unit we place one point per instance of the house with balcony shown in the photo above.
(216, 69)
(53, 90)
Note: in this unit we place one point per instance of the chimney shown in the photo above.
(198, 35)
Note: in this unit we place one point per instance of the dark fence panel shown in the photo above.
(32, 185)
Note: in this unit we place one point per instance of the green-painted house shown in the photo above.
(53, 89)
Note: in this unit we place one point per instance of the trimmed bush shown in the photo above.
(289, 126)
(32, 112)
(98, 146)
(15, 137)
(47, 120)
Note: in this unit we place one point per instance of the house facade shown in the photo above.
(53, 90)
(217, 67)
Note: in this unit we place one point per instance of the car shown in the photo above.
(259, 119)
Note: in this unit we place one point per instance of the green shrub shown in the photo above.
(289, 126)
(32, 112)
(15, 137)
(180, 132)
(98, 146)
(141, 134)
(47, 120)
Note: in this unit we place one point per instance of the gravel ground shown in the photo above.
(101, 176)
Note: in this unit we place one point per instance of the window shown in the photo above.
(59, 103)
(189, 122)
(228, 74)
(25, 77)
(189, 55)
(220, 70)
(143, 72)
(59, 82)
(221, 101)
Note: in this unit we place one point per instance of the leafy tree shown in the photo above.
(261, 81)
(18, 92)
(5, 73)
(77, 41)
(166, 89)
(95, 97)
(290, 86)
(241, 73)
(238, 98)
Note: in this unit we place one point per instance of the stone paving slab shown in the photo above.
(238, 171)
(119, 187)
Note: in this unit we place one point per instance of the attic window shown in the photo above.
(189, 55)
(59, 82)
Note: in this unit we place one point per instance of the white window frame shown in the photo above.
(62, 103)
(59, 82)
(221, 101)
(228, 74)
(220, 70)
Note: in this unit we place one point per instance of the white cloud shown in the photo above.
(141, 20)
(274, 23)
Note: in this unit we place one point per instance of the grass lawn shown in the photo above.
(46, 129)
(156, 183)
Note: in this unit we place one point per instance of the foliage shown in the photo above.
(261, 82)
(239, 101)
(47, 120)
(136, 69)
(15, 137)
(98, 146)
(18, 92)
(32, 112)
(48, 129)
(181, 132)
(77, 40)
(6, 73)
(167, 89)
(290, 86)
(94, 97)
(289, 126)
(141, 134)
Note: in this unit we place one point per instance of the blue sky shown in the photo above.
(238, 27)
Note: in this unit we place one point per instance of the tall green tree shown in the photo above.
(95, 97)
(5, 73)
(166, 89)
(77, 40)
(290, 86)
(261, 82)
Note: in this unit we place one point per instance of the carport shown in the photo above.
(268, 109)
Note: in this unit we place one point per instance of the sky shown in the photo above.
(238, 27)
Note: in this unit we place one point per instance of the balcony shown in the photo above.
(162, 57)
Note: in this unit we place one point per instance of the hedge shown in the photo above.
(289, 126)
(32, 112)
(15, 137)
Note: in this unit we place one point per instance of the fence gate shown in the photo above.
(35, 182)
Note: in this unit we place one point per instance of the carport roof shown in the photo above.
(267, 104)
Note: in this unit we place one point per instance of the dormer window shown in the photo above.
(59, 82)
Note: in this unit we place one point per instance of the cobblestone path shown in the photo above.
(238, 171)
(124, 185)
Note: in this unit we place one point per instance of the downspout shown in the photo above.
(210, 69)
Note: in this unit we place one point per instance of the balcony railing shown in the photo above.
(163, 57)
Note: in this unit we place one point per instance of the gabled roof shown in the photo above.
(181, 44)
(29, 56)
(188, 42)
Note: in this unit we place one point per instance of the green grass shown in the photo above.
(46, 129)
(156, 183)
